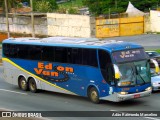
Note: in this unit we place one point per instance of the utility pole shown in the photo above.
(32, 18)
(7, 21)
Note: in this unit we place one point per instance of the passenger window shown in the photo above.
(60, 54)
(76, 56)
(10, 50)
(23, 51)
(48, 54)
(90, 57)
(35, 52)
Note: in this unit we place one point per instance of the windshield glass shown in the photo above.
(134, 73)
(153, 73)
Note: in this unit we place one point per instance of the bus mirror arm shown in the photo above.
(117, 72)
(157, 70)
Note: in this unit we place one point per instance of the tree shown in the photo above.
(145, 5)
(43, 6)
(51, 5)
(98, 7)
(10, 4)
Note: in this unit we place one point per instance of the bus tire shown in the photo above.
(93, 95)
(23, 85)
(32, 85)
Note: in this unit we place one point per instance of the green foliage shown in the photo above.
(10, 4)
(158, 50)
(98, 7)
(53, 4)
(62, 9)
(70, 7)
(19, 5)
(45, 5)
(25, 1)
(72, 11)
(72, 3)
(1, 2)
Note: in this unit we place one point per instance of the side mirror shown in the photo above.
(155, 65)
(117, 72)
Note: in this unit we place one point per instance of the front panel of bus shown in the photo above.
(134, 79)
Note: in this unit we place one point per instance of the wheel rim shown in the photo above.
(94, 95)
(32, 85)
(23, 84)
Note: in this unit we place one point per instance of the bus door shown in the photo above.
(107, 70)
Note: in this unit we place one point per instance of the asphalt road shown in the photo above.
(149, 41)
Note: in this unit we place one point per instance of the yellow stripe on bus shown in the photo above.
(11, 62)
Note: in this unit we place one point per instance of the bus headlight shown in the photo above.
(148, 89)
(123, 93)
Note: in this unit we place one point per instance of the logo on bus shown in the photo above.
(126, 54)
(54, 73)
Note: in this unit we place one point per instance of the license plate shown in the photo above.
(137, 96)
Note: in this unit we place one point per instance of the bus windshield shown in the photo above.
(134, 73)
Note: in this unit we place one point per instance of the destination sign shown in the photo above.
(129, 55)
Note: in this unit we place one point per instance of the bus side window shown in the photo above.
(106, 66)
(90, 57)
(6, 49)
(76, 56)
(13, 51)
(10, 50)
(60, 54)
(34, 52)
(22, 51)
(48, 54)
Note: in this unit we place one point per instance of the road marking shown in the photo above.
(151, 118)
(13, 91)
(5, 109)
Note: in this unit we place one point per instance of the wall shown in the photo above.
(155, 21)
(147, 24)
(70, 25)
(22, 24)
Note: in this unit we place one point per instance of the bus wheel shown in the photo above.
(32, 85)
(93, 95)
(23, 84)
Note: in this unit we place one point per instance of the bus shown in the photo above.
(98, 69)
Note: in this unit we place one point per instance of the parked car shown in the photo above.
(154, 55)
(155, 80)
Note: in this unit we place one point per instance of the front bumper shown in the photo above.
(118, 97)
